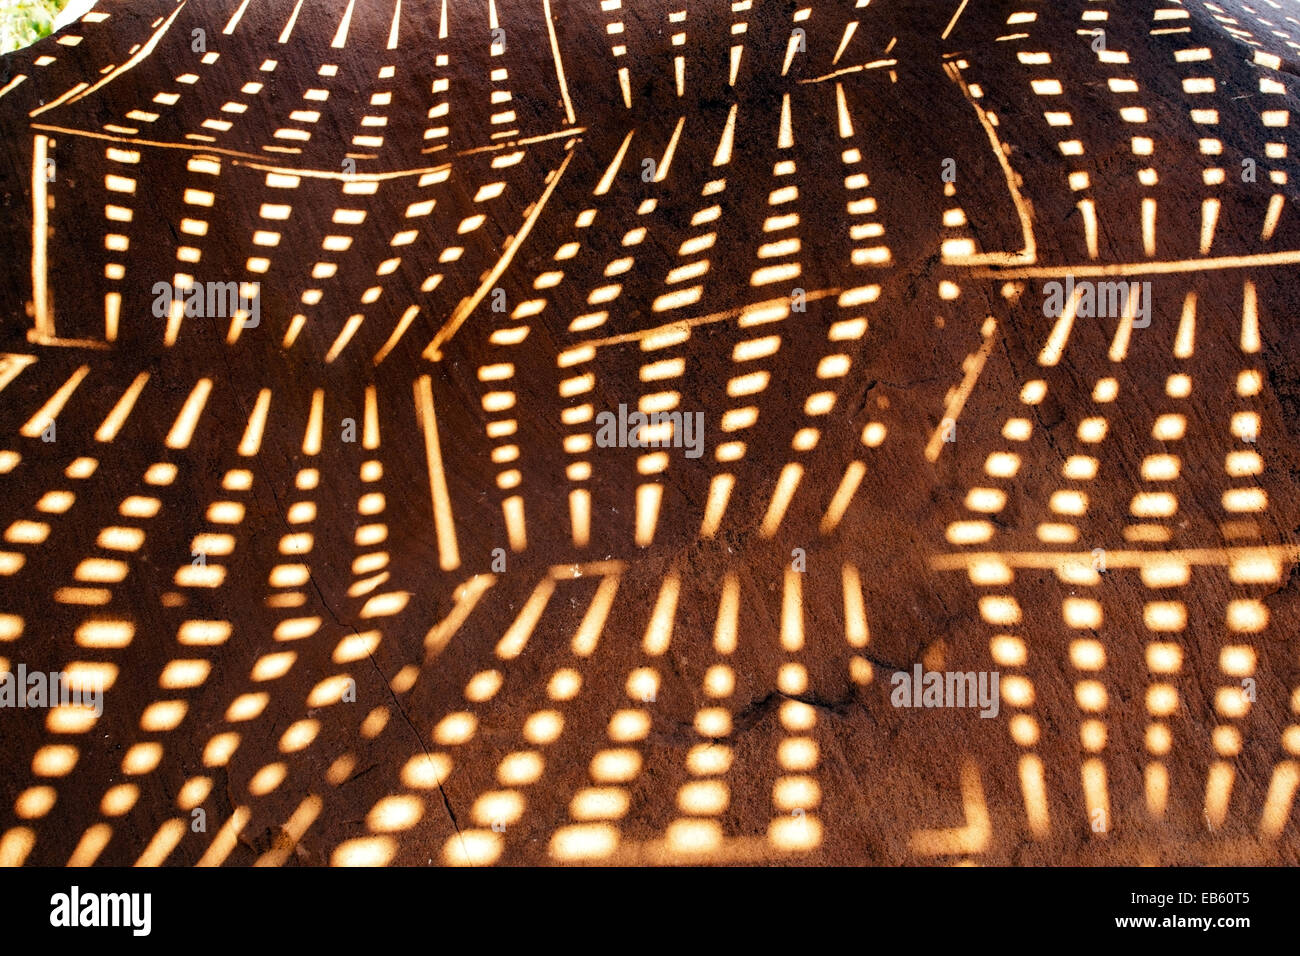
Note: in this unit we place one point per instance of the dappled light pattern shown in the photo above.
(363, 579)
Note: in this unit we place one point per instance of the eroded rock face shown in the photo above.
(325, 336)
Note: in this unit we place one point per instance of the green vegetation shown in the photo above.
(23, 22)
